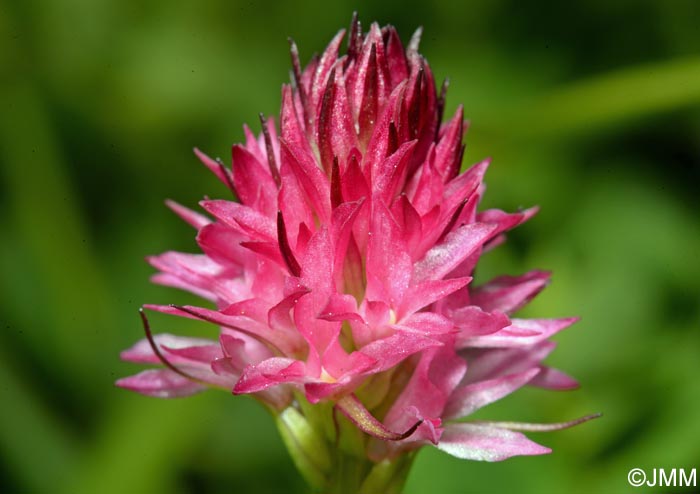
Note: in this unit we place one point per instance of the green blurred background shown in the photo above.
(589, 109)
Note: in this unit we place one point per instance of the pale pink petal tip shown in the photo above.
(160, 383)
(486, 443)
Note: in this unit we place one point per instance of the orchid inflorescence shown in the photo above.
(342, 279)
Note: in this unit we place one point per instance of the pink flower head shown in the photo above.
(343, 274)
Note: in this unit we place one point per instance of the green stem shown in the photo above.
(330, 452)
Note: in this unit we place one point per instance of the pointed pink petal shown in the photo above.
(427, 292)
(505, 221)
(278, 317)
(550, 378)
(342, 365)
(448, 149)
(522, 332)
(221, 243)
(489, 363)
(172, 281)
(216, 168)
(254, 184)
(160, 383)
(390, 174)
(268, 250)
(242, 218)
(388, 264)
(317, 275)
(311, 179)
(325, 64)
(426, 323)
(410, 224)
(367, 76)
(335, 130)
(426, 187)
(390, 351)
(282, 342)
(235, 356)
(268, 373)
(193, 218)
(472, 321)
(196, 273)
(437, 374)
(142, 353)
(296, 212)
(199, 354)
(378, 146)
(509, 293)
(396, 59)
(342, 222)
(484, 443)
(457, 246)
(341, 307)
(467, 399)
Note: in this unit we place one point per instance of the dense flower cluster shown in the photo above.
(343, 274)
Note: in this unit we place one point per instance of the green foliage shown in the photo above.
(589, 109)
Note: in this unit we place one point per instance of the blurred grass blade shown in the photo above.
(38, 466)
(51, 228)
(141, 446)
(611, 99)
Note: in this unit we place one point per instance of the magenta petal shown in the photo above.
(448, 149)
(310, 177)
(410, 223)
(472, 321)
(268, 373)
(396, 57)
(198, 274)
(160, 383)
(279, 317)
(336, 129)
(248, 221)
(222, 244)
(204, 354)
(509, 293)
(489, 363)
(426, 323)
(142, 353)
(437, 374)
(269, 250)
(391, 173)
(388, 263)
(216, 167)
(391, 350)
(484, 443)
(284, 342)
(323, 69)
(195, 219)
(466, 400)
(379, 143)
(341, 308)
(555, 379)
(254, 184)
(522, 332)
(458, 245)
(427, 292)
